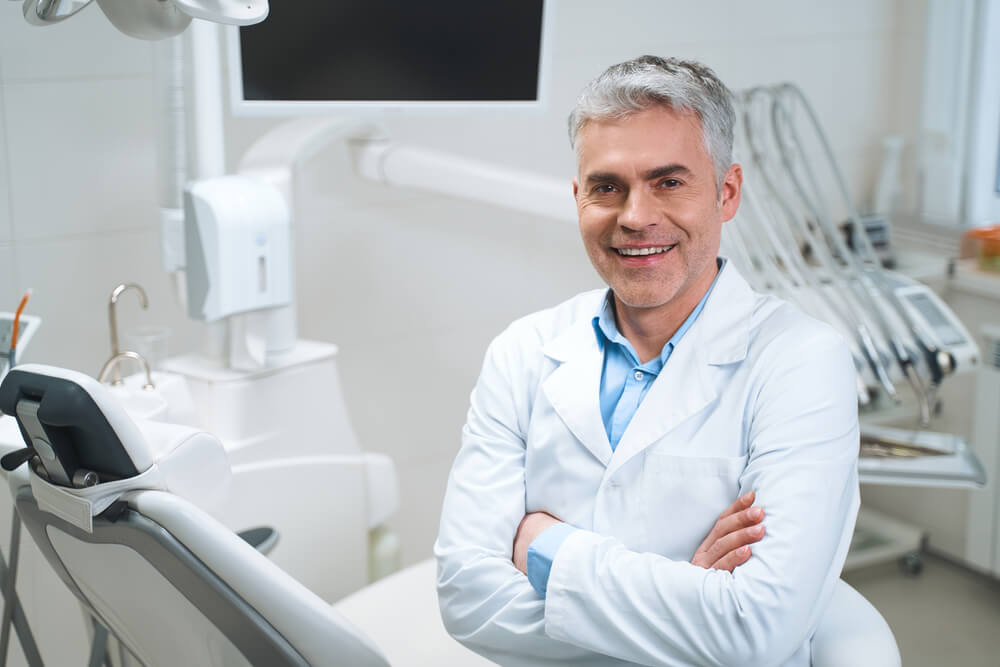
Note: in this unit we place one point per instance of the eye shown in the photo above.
(605, 188)
(670, 183)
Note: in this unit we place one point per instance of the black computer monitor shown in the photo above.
(321, 57)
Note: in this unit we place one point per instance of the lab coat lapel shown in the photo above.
(686, 385)
(573, 389)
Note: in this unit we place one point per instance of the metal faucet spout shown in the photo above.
(113, 319)
(113, 362)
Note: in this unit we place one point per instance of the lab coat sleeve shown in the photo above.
(802, 463)
(486, 603)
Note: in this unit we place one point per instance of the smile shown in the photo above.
(638, 252)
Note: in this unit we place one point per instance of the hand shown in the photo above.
(531, 526)
(728, 543)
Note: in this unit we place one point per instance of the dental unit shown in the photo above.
(298, 477)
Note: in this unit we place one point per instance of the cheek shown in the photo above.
(594, 249)
(592, 227)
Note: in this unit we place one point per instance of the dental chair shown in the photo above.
(118, 508)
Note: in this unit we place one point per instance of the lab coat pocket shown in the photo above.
(682, 498)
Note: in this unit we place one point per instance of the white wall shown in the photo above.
(412, 287)
(77, 181)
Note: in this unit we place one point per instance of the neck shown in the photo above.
(649, 329)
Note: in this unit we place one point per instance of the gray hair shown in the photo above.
(648, 82)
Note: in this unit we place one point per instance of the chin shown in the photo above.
(644, 299)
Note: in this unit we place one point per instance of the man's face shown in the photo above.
(646, 184)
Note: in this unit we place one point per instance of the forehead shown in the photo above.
(643, 140)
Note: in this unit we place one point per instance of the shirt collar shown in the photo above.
(607, 331)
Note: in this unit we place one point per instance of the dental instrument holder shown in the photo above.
(113, 322)
(910, 342)
(27, 327)
(879, 231)
(767, 248)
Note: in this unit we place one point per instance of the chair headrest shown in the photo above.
(73, 422)
(86, 441)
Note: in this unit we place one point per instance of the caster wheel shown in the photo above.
(911, 564)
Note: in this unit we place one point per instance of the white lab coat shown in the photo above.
(755, 396)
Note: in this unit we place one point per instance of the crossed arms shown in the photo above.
(726, 547)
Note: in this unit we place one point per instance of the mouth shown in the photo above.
(643, 252)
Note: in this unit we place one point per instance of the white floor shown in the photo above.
(947, 615)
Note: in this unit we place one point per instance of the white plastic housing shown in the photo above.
(231, 12)
(238, 247)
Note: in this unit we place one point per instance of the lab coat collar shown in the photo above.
(719, 336)
(725, 322)
(574, 388)
(687, 384)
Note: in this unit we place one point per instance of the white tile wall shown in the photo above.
(414, 295)
(6, 230)
(81, 156)
(906, 95)
(427, 400)
(72, 279)
(736, 23)
(83, 46)
(432, 264)
(421, 495)
(862, 78)
(8, 287)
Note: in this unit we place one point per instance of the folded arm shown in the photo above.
(486, 603)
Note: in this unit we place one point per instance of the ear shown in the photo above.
(729, 193)
(576, 188)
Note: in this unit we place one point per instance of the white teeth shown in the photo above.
(635, 252)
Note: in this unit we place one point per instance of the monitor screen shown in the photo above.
(388, 53)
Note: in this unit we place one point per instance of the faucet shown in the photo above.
(112, 364)
(113, 324)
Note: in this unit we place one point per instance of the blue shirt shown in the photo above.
(624, 383)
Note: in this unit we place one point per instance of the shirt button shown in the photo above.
(639, 375)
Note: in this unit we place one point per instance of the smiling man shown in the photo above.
(599, 510)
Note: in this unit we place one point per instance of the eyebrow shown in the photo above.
(666, 170)
(652, 174)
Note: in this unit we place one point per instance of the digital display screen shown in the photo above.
(394, 50)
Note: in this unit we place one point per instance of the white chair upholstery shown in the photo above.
(400, 614)
(853, 634)
(171, 583)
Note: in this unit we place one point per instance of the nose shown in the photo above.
(639, 211)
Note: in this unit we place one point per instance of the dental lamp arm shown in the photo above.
(151, 19)
(456, 176)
